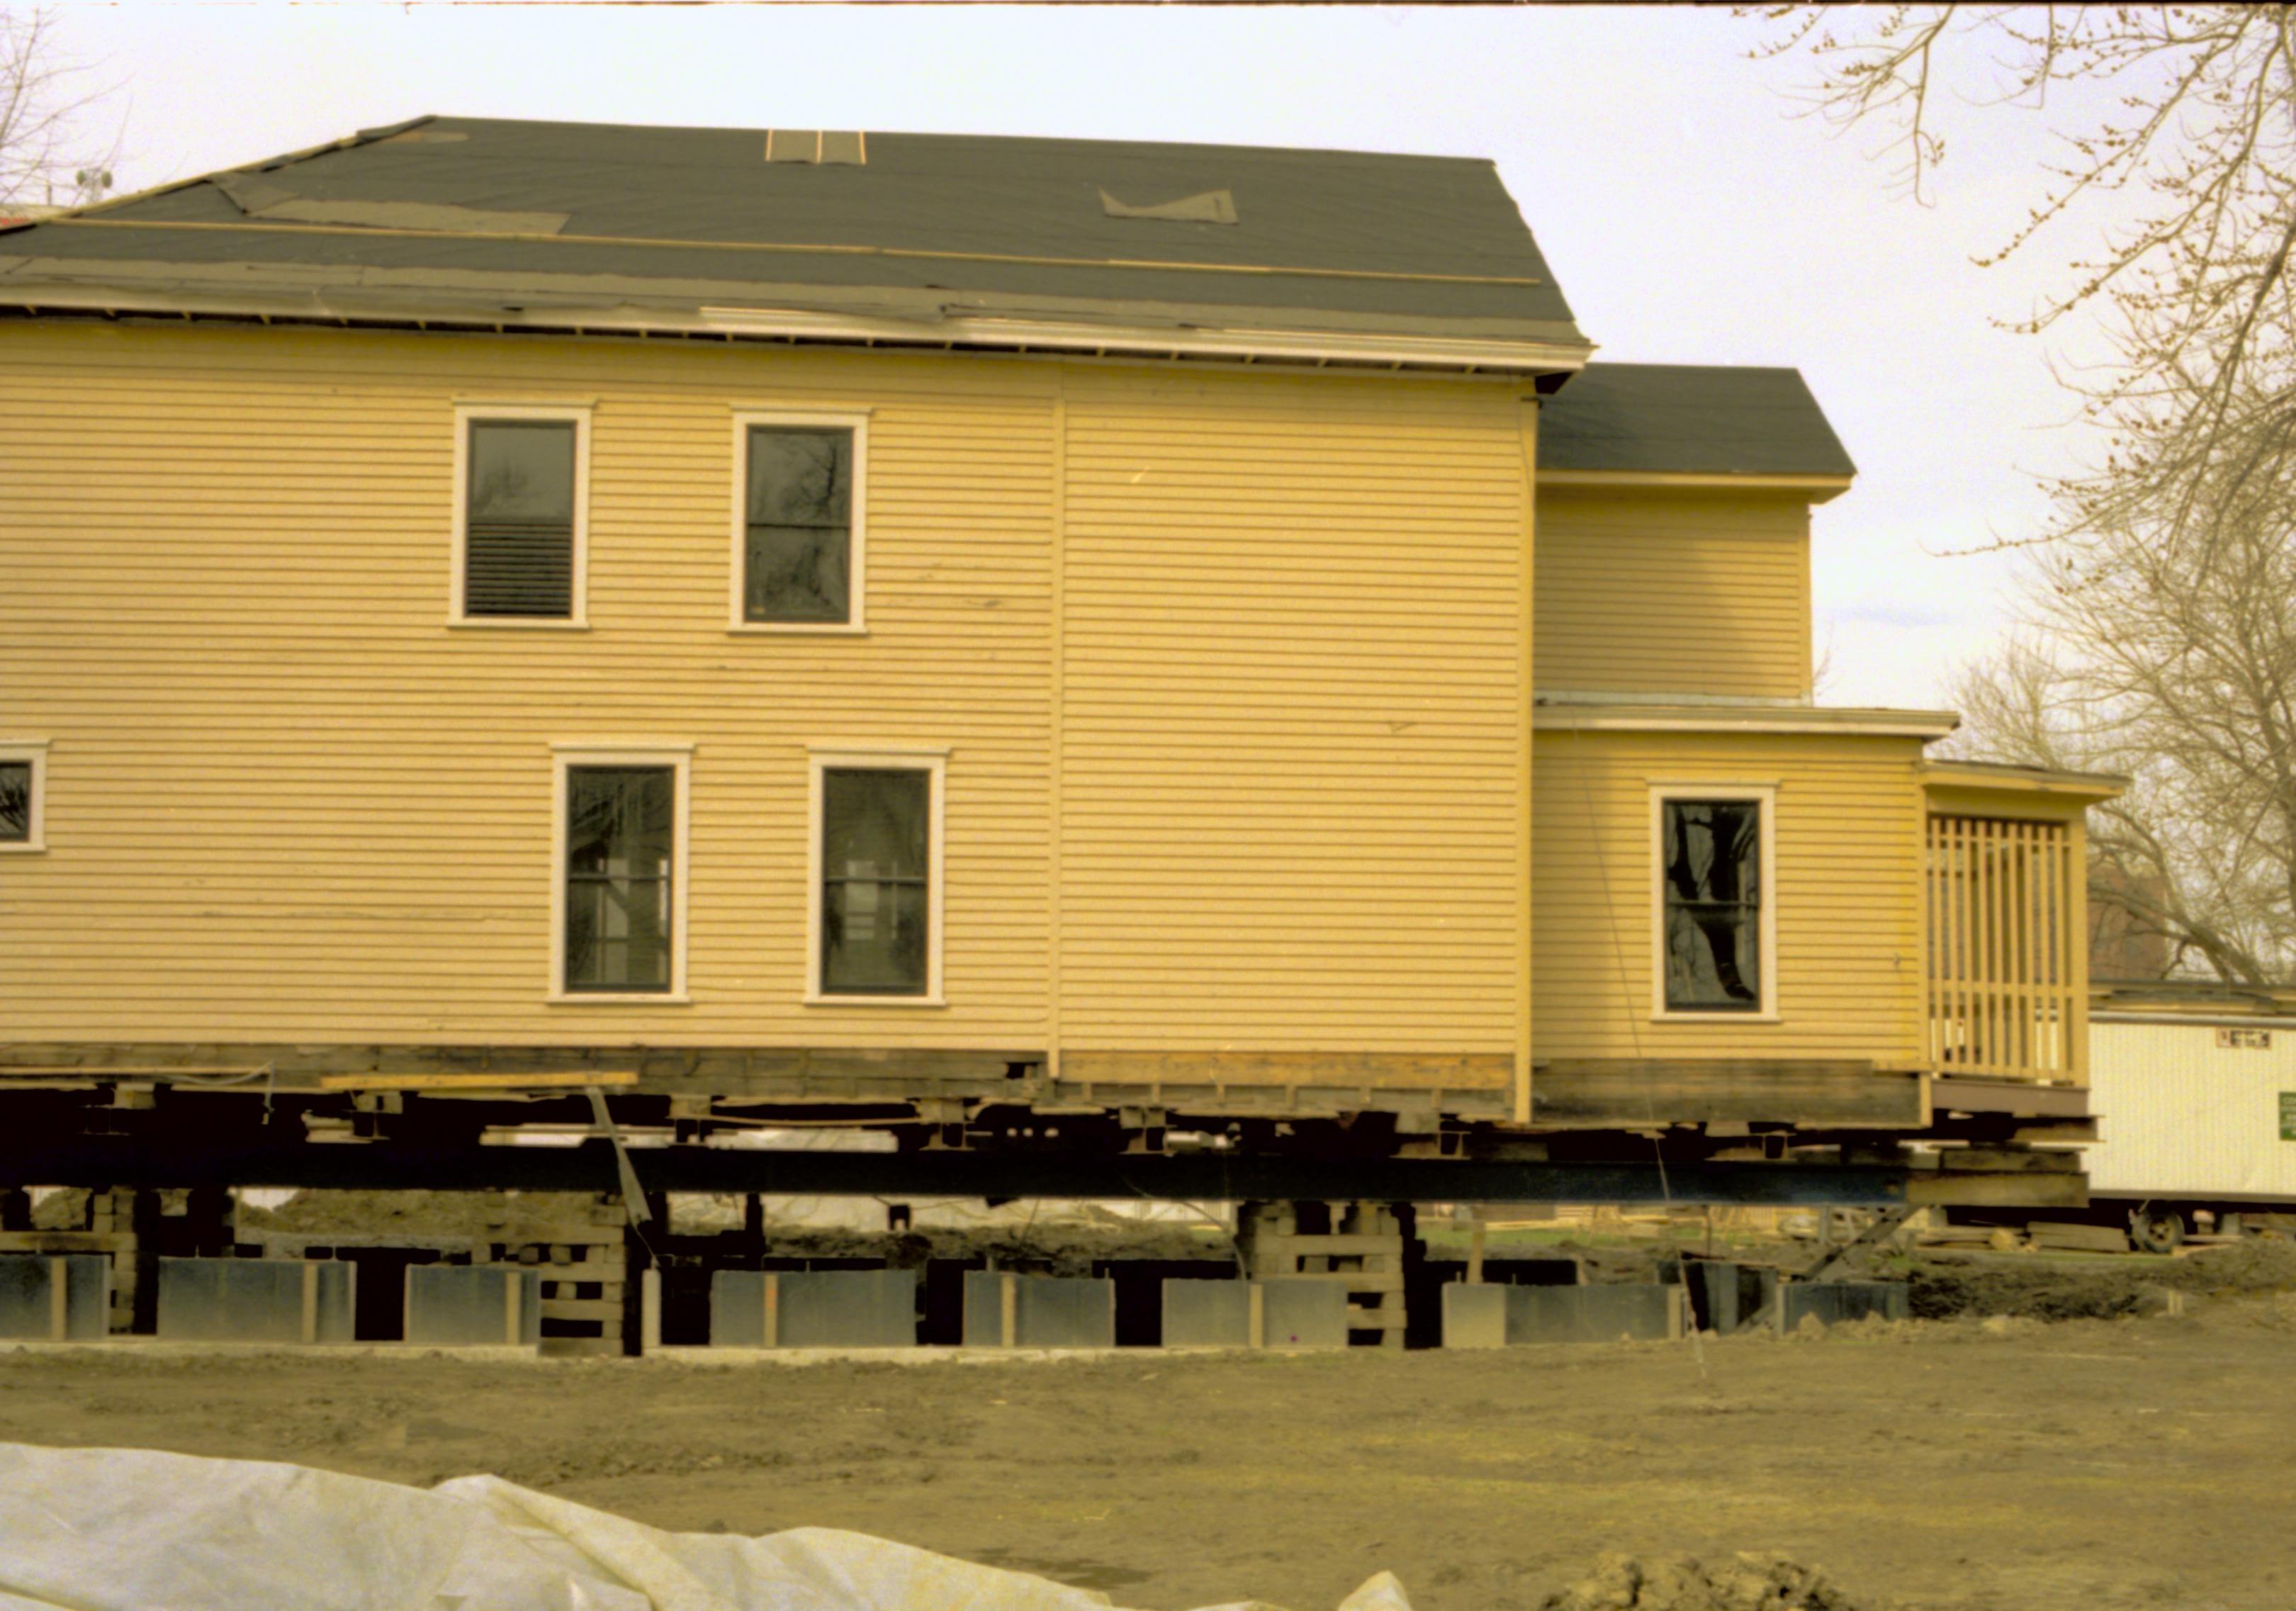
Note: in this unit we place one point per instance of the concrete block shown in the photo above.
(1207, 1314)
(1474, 1316)
(33, 1310)
(1607, 1313)
(256, 1300)
(1218, 1314)
(814, 1309)
(1039, 1312)
(472, 1305)
(1835, 1302)
(1304, 1314)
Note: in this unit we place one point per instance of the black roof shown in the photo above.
(1689, 419)
(922, 224)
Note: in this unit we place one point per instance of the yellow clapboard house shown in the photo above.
(1170, 635)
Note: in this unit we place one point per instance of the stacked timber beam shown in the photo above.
(1362, 1245)
(109, 1231)
(584, 1270)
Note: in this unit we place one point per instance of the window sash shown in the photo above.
(518, 543)
(1711, 938)
(15, 803)
(619, 877)
(876, 923)
(797, 570)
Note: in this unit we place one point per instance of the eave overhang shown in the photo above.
(1841, 721)
(1812, 489)
(735, 310)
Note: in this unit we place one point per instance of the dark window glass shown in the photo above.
(1713, 898)
(798, 557)
(875, 899)
(15, 802)
(621, 825)
(519, 529)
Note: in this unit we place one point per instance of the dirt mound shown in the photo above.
(1750, 1581)
(2259, 1265)
(448, 1213)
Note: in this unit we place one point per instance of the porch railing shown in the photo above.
(2006, 982)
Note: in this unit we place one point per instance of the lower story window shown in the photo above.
(621, 867)
(876, 859)
(1711, 904)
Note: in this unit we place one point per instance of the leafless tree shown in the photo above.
(2159, 607)
(44, 154)
(2168, 653)
(2195, 138)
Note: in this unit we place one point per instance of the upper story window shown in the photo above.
(23, 782)
(1716, 927)
(877, 876)
(621, 838)
(521, 516)
(799, 527)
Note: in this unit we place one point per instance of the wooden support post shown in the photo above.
(773, 1333)
(310, 1301)
(649, 1310)
(1008, 1308)
(1475, 1253)
(59, 1300)
(513, 1296)
(1677, 1313)
(1255, 1334)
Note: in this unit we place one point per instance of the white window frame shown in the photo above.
(856, 420)
(932, 759)
(1765, 794)
(679, 758)
(577, 414)
(35, 751)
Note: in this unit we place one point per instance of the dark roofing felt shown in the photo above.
(563, 209)
(1689, 419)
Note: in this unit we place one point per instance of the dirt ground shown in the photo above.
(1965, 1463)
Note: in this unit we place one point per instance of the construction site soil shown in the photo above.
(1993, 1459)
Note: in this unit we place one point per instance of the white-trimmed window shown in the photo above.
(521, 515)
(1713, 902)
(24, 794)
(874, 881)
(619, 872)
(801, 527)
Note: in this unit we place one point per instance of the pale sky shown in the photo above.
(1690, 215)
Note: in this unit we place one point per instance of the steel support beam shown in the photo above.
(590, 1166)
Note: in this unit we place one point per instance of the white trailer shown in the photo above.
(2195, 1094)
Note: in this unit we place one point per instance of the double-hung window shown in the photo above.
(1715, 888)
(521, 515)
(876, 880)
(798, 530)
(23, 782)
(621, 928)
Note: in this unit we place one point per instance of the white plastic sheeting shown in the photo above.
(132, 1529)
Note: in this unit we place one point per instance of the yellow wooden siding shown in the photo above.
(287, 801)
(1291, 755)
(1848, 836)
(1673, 592)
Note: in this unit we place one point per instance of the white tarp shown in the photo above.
(132, 1529)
